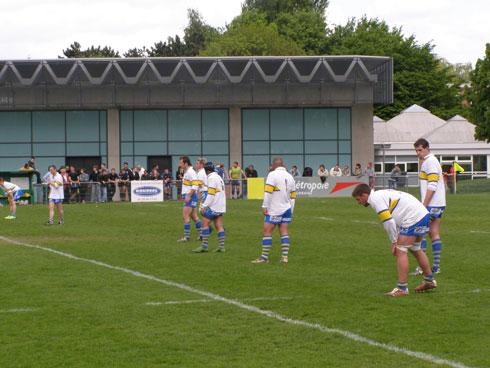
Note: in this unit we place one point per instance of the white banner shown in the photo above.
(147, 191)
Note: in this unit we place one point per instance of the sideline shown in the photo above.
(251, 308)
(211, 300)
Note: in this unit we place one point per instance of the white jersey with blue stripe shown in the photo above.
(430, 177)
(189, 181)
(396, 210)
(216, 199)
(8, 187)
(279, 192)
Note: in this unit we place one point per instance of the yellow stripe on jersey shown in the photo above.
(187, 182)
(212, 191)
(433, 177)
(393, 205)
(276, 189)
(196, 182)
(57, 182)
(384, 215)
(269, 188)
(423, 175)
(292, 195)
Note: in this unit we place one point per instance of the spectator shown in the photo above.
(145, 176)
(322, 173)
(84, 178)
(336, 171)
(250, 172)
(123, 183)
(30, 163)
(236, 173)
(394, 175)
(74, 184)
(26, 167)
(346, 171)
(135, 175)
(141, 171)
(103, 180)
(66, 184)
(219, 170)
(155, 168)
(103, 167)
(167, 183)
(111, 186)
(307, 171)
(357, 171)
(179, 176)
(294, 172)
(128, 170)
(155, 175)
(94, 184)
(369, 172)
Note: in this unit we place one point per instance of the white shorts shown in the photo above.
(405, 248)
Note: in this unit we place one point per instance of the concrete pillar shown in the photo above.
(113, 139)
(362, 135)
(235, 136)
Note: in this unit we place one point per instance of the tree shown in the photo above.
(252, 40)
(173, 47)
(479, 97)
(75, 51)
(197, 33)
(272, 8)
(418, 78)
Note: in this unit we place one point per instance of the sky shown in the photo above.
(42, 29)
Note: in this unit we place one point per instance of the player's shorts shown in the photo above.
(235, 183)
(436, 212)
(414, 247)
(17, 194)
(420, 228)
(204, 195)
(211, 215)
(192, 203)
(285, 218)
(56, 200)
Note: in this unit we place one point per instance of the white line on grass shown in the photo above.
(251, 308)
(211, 300)
(479, 232)
(17, 310)
(325, 218)
(463, 291)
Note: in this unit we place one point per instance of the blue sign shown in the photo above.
(147, 191)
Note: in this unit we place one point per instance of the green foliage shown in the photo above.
(252, 39)
(418, 75)
(479, 97)
(273, 8)
(85, 315)
(75, 51)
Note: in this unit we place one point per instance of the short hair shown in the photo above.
(103, 164)
(295, 166)
(361, 189)
(52, 166)
(33, 158)
(277, 162)
(104, 170)
(2, 178)
(95, 167)
(421, 142)
(201, 160)
(185, 160)
(236, 162)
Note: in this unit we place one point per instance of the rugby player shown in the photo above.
(401, 211)
(13, 193)
(56, 195)
(278, 206)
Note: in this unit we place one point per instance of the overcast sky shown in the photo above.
(42, 29)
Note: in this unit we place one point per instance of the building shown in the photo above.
(310, 110)
(452, 140)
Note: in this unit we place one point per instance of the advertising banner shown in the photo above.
(147, 191)
(332, 187)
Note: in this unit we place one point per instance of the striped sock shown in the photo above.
(221, 239)
(266, 247)
(285, 246)
(199, 227)
(436, 253)
(428, 278)
(424, 245)
(187, 230)
(402, 285)
(205, 238)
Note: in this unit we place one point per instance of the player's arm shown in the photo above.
(432, 183)
(268, 190)
(292, 193)
(244, 176)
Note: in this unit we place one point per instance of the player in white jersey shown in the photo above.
(189, 192)
(278, 206)
(213, 209)
(13, 193)
(406, 221)
(202, 182)
(56, 195)
(433, 193)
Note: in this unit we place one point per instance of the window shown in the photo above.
(412, 167)
(480, 163)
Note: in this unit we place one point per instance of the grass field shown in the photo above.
(151, 302)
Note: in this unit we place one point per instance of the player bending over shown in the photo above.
(212, 209)
(189, 192)
(56, 195)
(399, 210)
(278, 206)
(13, 193)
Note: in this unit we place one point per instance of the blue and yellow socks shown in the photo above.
(205, 238)
(266, 247)
(285, 246)
(436, 254)
(402, 285)
(187, 230)
(199, 227)
(428, 278)
(221, 239)
(424, 245)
